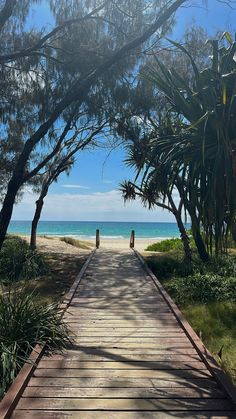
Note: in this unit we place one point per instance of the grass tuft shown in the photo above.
(77, 243)
(25, 322)
(19, 262)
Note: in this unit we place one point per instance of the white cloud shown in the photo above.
(97, 206)
(74, 186)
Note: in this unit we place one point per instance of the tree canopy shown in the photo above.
(79, 69)
(53, 76)
(191, 148)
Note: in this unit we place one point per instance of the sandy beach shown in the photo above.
(120, 244)
(55, 245)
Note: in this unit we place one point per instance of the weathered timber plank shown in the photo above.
(125, 344)
(102, 323)
(132, 339)
(118, 382)
(122, 357)
(133, 310)
(146, 329)
(117, 296)
(93, 350)
(124, 404)
(144, 300)
(108, 373)
(64, 364)
(134, 334)
(42, 414)
(142, 392)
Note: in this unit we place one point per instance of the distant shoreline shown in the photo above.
(108, 230)
(89, 238)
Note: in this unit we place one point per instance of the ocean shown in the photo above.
(108, 230)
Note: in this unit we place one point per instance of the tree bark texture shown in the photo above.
(35, 221)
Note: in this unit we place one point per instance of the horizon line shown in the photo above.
(100, 221)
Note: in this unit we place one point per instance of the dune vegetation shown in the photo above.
(32, 285)
(206, 294)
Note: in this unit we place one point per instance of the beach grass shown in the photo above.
(50, 279)
(215, 323)
(77, 243)
(63, 269)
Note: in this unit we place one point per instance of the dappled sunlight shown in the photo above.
(129, 353)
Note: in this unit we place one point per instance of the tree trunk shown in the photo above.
(183, 234)
(184, 237)
(34, 225)
(7, 208)
(201, 247)
(199, 240)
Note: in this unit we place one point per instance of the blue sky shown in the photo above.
(90, 192)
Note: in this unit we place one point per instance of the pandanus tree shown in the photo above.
(203, 154)
(154, 183)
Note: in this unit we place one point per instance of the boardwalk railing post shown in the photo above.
(97, 239)
(132, 236)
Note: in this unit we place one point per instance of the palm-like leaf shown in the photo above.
(204, 140)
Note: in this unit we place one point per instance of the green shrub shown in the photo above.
(206, 293)
(168, 266)
(18, 261)
(77, 243)
(199, 288)
(25, 322)
(166, 245)
(223, 266)
(196, 282)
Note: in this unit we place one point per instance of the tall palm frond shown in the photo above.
(202, 144)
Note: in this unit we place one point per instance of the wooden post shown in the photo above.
(97, 238)
(132, 237)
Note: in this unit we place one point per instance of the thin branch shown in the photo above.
(6, 12)
(79, 89)
(33, 172)
(28, 51)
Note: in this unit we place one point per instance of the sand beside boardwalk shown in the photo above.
(120, 244)
(55, 245)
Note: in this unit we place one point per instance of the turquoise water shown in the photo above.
(87, 229)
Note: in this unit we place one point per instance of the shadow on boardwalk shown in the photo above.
(130, 357)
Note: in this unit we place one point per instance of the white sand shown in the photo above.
(54, 244)
(140, 244)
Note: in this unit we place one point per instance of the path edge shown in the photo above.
(202, 351)
(15, 391)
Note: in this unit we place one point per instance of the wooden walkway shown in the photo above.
(131, 357)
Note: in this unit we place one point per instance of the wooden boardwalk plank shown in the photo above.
(119, 404)
(142, 392)
(122, 372)
(125, 382)
(42, 414)
(122, 357)
(147, 365)
(130, 359)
